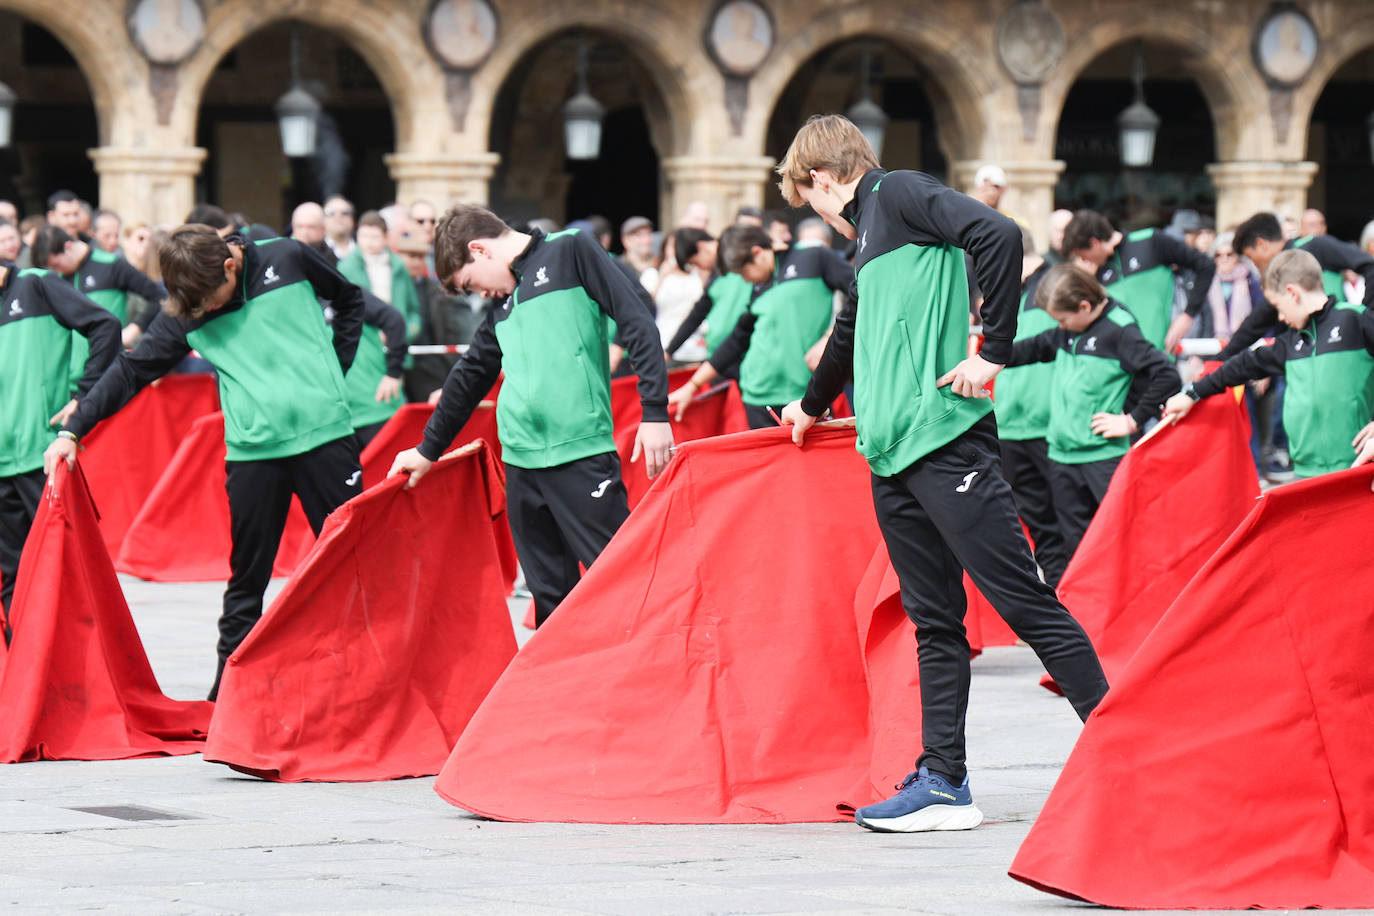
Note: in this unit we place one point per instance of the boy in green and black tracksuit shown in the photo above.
(1260, 239)
(564, 494)
(721, 306)
(1326, 354)
(287, 425)
(106, 278)
(938, 491)
(39, 313)
(1093, 371)
(373, 382)
(1022, 406)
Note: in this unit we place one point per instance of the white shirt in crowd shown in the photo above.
(677, 293)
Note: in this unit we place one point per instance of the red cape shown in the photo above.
(125, 455)
(374, 656)
(405, 430)
(76, 684)
(1172, 503)
(708, 668)
(181, 533)
(1232, 763)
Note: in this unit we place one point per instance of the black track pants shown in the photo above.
(19, 496)
(952, 511)
(560, 517)
(1078, 490)
(1026, 465)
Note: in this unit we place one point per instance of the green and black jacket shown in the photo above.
(1140, 275)
(281, 372)
(907, 323)
(375, 360)
(1329, 365)
(1093, 373)
(725, 299)
(782, 321)
(1335, 257)
(39, 312)
(404, 298)
(551, 338)
(108, 280)
(1023, 394)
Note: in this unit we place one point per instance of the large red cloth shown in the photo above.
(182, 532)
(716, 414)
(708, 668)
(1172, 503)
(125, 455)
(374, 656)
(1231, 765)
(76, 683)
(983, 625)
(405, 430)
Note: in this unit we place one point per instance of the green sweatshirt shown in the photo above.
(782, 322)
(404, 299)
(375, 360)
(1093, 373)
(281, 371)
(1329, 365)
(551, 338)
(108, 279)
(1140, 275)
(909, 323)
(1023, 394)
(39, 313)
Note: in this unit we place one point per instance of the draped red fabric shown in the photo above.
(76, 683)
(374, 656)
(1232, 763)
(181, 534)
(708, 668)
(983, 625)
(1172, 503)
(125, 455)
(715, 414)
(404, 430)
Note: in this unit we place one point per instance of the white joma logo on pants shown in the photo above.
(968, 481)
(601, 489)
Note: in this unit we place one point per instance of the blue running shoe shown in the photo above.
(924, 801)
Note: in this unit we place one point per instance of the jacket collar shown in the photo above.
(854, 209)
(517, 264)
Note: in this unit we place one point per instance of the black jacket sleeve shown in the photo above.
(161, 348)
(132, 280)
(1141, 358)
(629, 304)
(1246, 366)
(837, 273)
(1336, 255)
(470, 378)
(694, 318)
(993, 241)
(345, 298)
(1174, 251)
(837, 362)
(1262, 317)
(75, 311)
(732, 349)
(390, 322)
(1042, 348)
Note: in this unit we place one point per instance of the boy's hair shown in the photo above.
(1260, 226)
(374, 219)
(30, 223)
(49, 241)
(737, 245)
(457, 227)
(1085, 226)
(685, 242)
(829, 142)
(1065, 286)
(192, 263)
(1294, 266)
(203, 214)
(1028, 246)
(61, 196)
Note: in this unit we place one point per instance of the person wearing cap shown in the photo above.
(637, 238)
(989, 184)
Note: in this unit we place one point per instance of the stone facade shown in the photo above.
(711, 131)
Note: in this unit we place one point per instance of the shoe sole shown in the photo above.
(931, 817)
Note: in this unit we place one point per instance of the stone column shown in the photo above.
(154, 185)
(725, 183)
(1030, 191)
(1245, 188)
(443, 179)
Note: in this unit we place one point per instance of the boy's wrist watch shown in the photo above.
(1189, 390)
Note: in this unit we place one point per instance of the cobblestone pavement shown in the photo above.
(221, 842)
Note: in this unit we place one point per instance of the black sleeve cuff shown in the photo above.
(996, 350)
